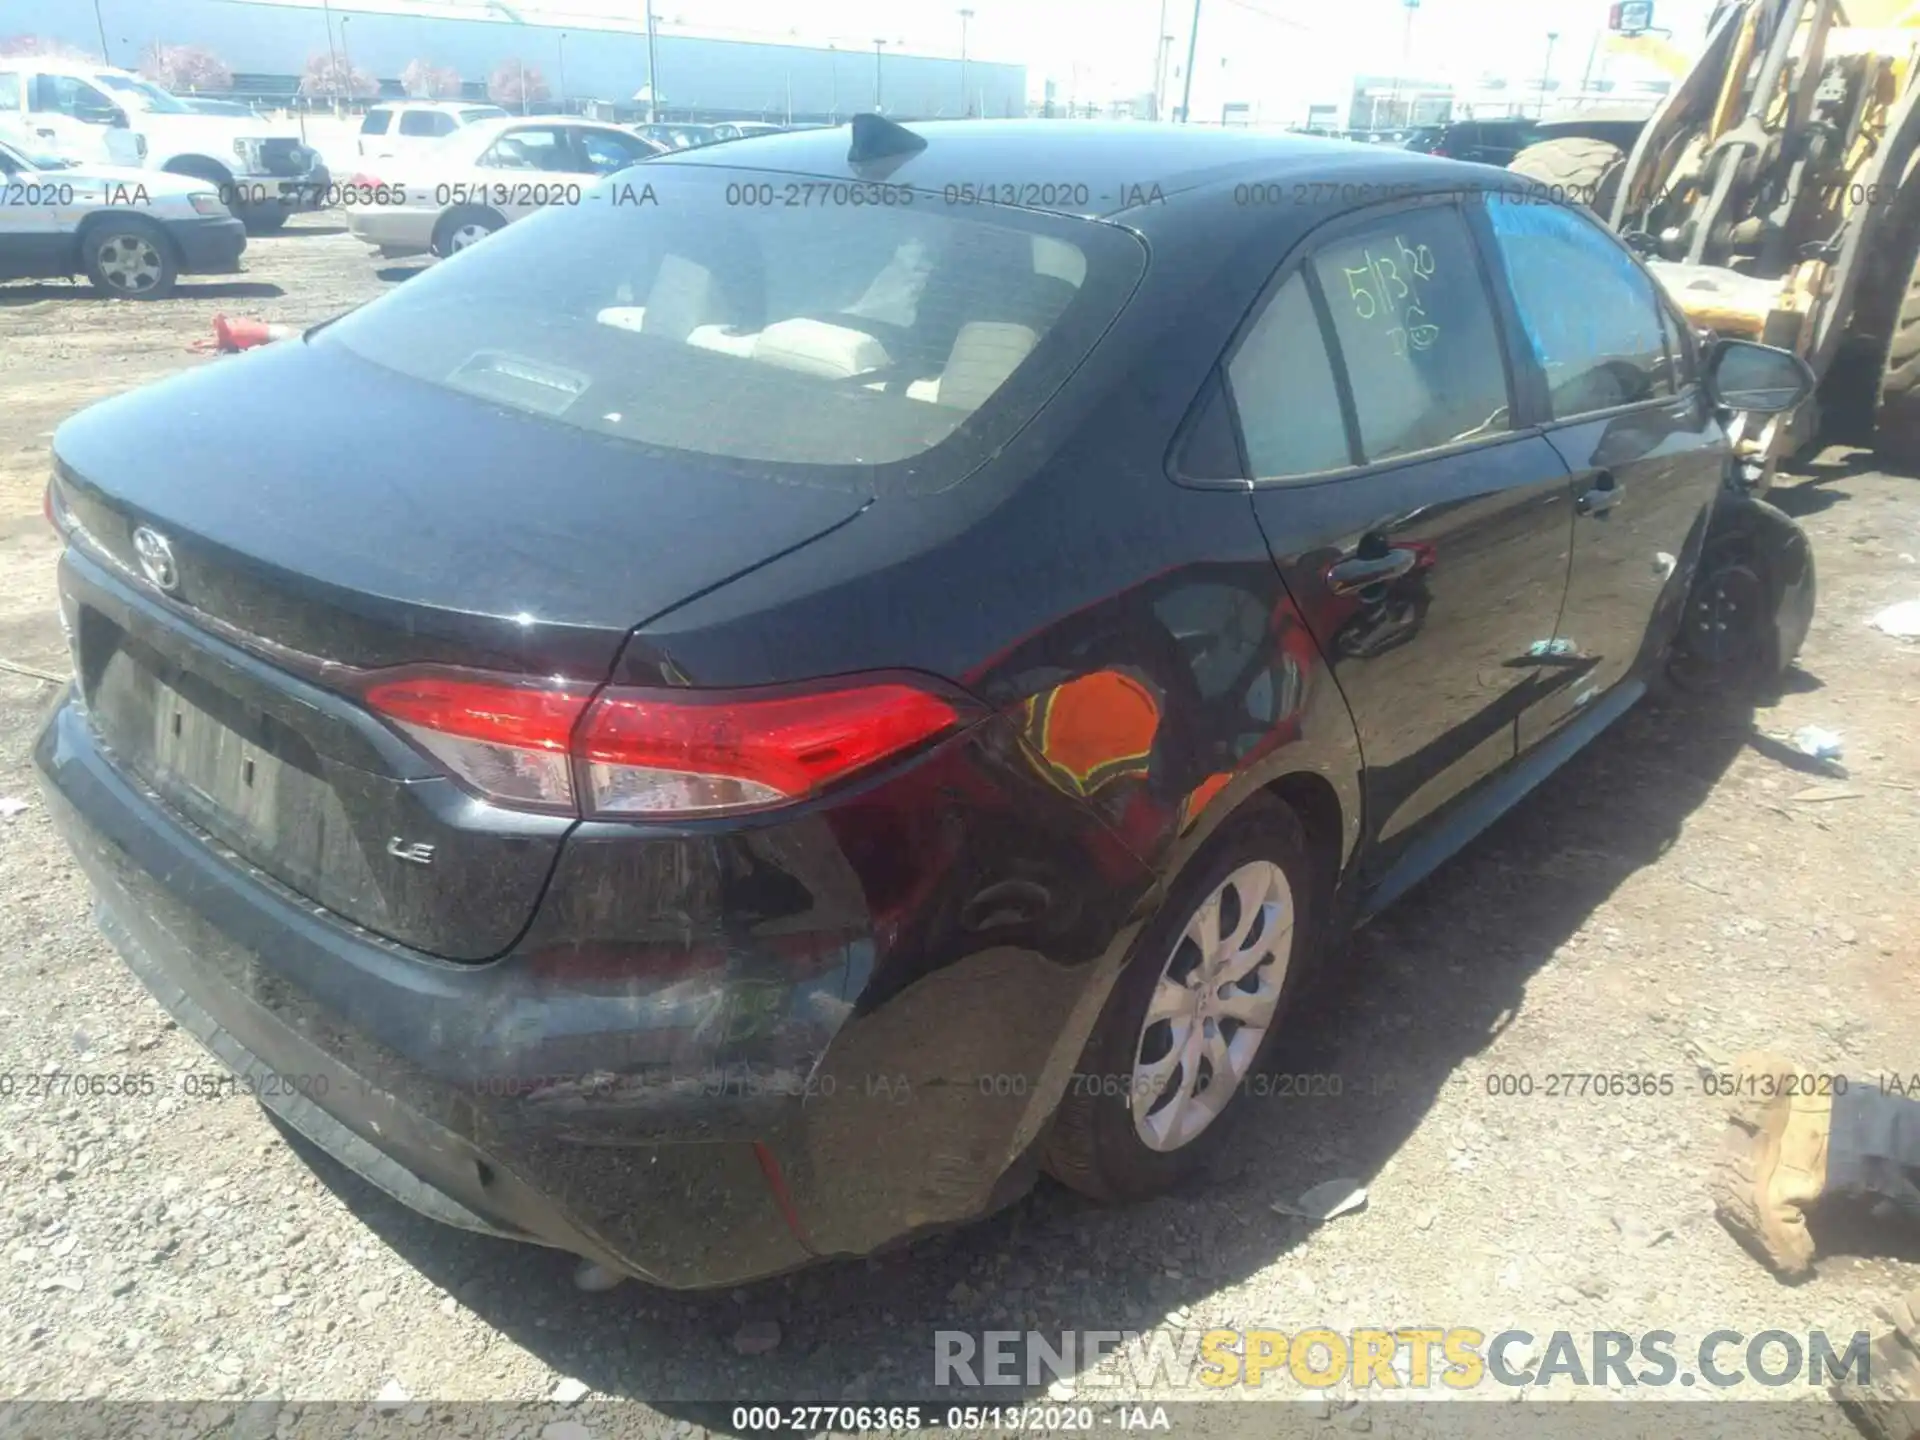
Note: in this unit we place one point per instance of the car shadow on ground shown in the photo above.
(1403, 1004)
(291, 232)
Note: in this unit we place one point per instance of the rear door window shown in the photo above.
(1416, 333)
(1588, 311)
(376, 122)
(1284, 393)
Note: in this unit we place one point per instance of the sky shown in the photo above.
(1106, 49)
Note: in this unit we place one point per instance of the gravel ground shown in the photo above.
(1684, 891)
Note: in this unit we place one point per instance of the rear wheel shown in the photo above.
(464, 227)
(1576, 169)
(1193, 1014)
(127, 257)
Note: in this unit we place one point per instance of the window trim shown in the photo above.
(1525, 360)
(1296, 262)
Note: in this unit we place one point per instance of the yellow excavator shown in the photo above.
(1775, 192)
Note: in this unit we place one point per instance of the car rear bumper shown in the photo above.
(393, 230)
(210, 245)
(696, 1102)
(428, 1108)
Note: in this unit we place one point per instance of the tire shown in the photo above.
(1587, 171)
(467, 225)
(1750, 605)
(265, 219)
(1097, 1145)
(1896, 411)
(128, 257)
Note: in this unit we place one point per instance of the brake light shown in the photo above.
(661, 754)
(363, 181)
(506, 739)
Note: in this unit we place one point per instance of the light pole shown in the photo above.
(346, 61)
(333, 58)
(103, 32)
(1406, 56)
(653, 71)
(966, 102)
(1553, 37)
(877, 46)
(563, 72)
(833, 68)
(1193, 45)
(523, 85)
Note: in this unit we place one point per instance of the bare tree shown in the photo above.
(41, 45)
(187, 68)
(328, 77)
(425, 81)
(517, 83)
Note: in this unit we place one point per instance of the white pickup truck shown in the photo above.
(97, 114)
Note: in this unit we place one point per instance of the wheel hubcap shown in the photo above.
(465, 235)
(1212, 1006)
(130, 263)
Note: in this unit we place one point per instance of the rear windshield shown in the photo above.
(746, 317)
(481, 112)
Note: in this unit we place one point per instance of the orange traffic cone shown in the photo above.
(232, 335)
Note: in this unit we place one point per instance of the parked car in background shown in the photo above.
(485, 174)
(1485, 142)
(130, 232)
(97, 113)
(743, 733)
(743, 129)
(408, 127)
(676, 136)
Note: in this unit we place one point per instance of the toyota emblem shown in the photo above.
(156, 558)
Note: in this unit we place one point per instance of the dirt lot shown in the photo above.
(1682, 892)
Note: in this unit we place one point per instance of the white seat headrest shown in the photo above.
(816, 348)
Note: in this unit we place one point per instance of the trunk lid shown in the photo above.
(322, 516)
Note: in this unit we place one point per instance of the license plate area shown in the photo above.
(228, 766)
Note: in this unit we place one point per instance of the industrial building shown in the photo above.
(268, 47)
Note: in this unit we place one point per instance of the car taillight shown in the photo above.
(655, 754)
(506, 739)
(364, 181)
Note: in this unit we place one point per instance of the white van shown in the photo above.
(409, 126)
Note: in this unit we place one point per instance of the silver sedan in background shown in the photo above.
(483, 176)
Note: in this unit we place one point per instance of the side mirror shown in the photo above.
(1757, 378)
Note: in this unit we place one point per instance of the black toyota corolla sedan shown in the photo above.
(774, 704)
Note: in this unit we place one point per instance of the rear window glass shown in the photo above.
(841, 338)
(376, 122)
(481, 112)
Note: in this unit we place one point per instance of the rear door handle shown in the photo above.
(1605, 494)
(1360, 573)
